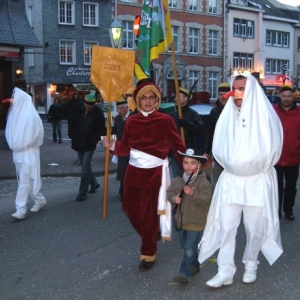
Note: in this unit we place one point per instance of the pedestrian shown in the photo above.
(190, 192)
(70, 113)
(87, 128)
(123, 113)
(25, 134)
(55, 116)
(247, 144)
(287, 167)
(147, 138)
(210, 126)
(191, 122)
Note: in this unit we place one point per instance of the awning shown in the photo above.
(9, 52)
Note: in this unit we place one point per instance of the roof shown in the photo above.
(15, 29)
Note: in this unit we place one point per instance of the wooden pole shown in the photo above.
(177, 90)
(106, 165)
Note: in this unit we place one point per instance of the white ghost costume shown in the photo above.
(24, 134)
(247, 144)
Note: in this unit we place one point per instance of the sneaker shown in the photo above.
(249, 276)
(219, 280)
(18, 215)
(93, 190)
(37, 206)
(81, 197)
(180, 279)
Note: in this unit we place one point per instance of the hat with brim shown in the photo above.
(143, 88)
(90, 99)
(122, 101)
(286, 87)
(224, 87)
(194, 153)
(184, 92)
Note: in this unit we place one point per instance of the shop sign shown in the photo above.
(78, 72)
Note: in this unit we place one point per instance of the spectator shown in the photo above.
(25, 134)
(55, 115)
(247, 144)
(191, 122)
(288, 165)
(210, 126)
(147, 137)
(87, 128)
(123, 113)
(70, 112)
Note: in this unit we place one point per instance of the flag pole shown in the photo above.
(177, 90)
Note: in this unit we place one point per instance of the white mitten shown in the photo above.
(114, 159)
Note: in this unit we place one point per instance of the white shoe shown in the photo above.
(219, 280)
(18, 215)
(249, 276)
(36, 207)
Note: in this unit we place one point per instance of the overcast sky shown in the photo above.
(290, 2)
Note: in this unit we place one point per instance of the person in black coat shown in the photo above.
(70, 111)
(87, 127)
(55, 116)
(123, 113)
(210, 126)
(191, 122)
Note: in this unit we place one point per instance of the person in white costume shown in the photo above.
(247, 144)
(24, 134)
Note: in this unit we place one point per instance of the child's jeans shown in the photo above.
(189, 241)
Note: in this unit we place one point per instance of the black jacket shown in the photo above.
(210, 126)
(55, 112)
(192, 124)
(86, 128)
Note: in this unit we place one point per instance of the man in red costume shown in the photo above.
(147, 138)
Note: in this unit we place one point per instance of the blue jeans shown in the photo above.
(56, 125)
(189, 241)
(87, 175)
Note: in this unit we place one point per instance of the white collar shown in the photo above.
(145, 114)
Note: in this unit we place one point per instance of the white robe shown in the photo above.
(24, 134)
(247, 146)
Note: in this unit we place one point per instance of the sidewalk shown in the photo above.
(57, 160)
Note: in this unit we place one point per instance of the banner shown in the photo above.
(155, 35)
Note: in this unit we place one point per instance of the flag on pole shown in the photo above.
(155, 35)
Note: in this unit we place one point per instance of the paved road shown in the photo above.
(67, 251)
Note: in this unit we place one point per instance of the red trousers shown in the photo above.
(140, 206)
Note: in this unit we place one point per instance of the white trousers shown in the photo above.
(25, 189)
(253, 224)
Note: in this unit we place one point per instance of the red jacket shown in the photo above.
(290, 121)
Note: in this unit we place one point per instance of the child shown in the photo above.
(190, 191)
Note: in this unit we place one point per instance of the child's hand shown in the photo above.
(177, 199)
(188, 190)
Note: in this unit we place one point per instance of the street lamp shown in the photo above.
(115, 33)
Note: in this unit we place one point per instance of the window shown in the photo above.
(30, 57)
(128, 35)
(243, 60)
(175, 32)
(173, 3)
(275, 66)
(212, 6)
(213, 42)
(194, 41)
(243, 28)
(277, 38)
(29, 14)
(193, 5)
(90, 14)
(67, 52)
(213, 85)
(88, 46)
(66, 12)
(193, 77)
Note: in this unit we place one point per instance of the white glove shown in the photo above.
(114, 159)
